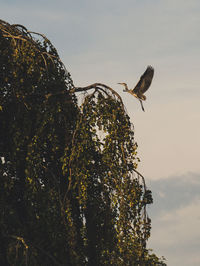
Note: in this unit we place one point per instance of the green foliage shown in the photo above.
(70, 193)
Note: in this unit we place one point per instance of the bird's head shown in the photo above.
(125, 85)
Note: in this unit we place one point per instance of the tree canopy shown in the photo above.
(70, 193)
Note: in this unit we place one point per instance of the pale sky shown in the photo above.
(111, 41)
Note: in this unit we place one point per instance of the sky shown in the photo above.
(111, 41)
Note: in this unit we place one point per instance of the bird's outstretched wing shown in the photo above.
(145, 81)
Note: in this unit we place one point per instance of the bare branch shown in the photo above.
(96, 85)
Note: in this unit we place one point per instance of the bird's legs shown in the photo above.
(142, 105)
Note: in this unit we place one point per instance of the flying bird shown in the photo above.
(142, 85)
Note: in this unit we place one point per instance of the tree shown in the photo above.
(70, 191)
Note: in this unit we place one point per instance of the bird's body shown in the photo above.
(142, 85)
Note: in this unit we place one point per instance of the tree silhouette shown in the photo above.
(70, 193)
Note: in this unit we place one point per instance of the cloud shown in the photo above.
(174, 193)
(176, 235)
(175, 219)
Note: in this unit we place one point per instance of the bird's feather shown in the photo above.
(144, 82)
